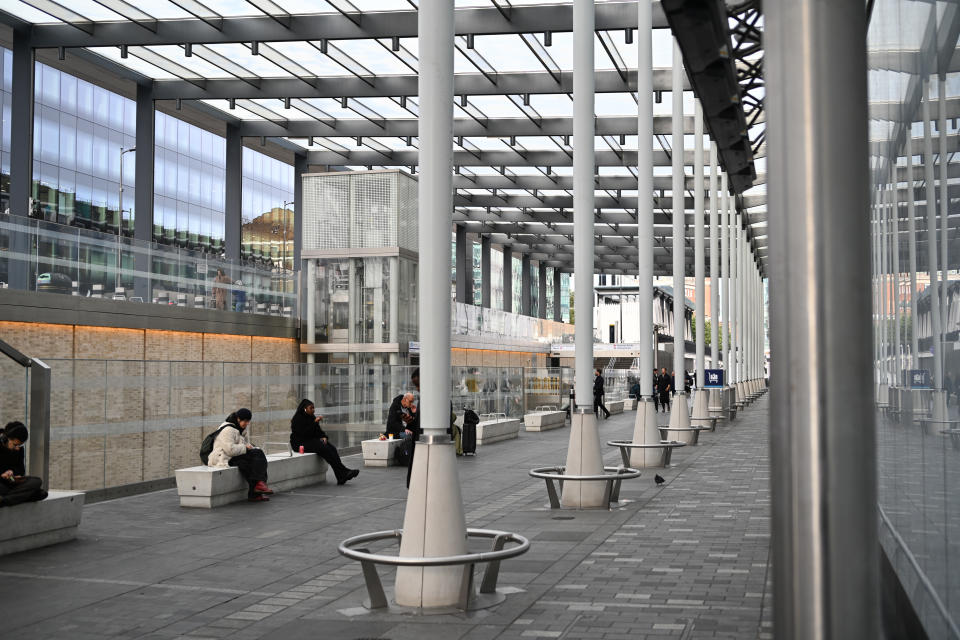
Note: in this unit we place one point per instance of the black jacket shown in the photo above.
(395, 423)
(14, 460)
(598, 386)
(303, 429)
(663, 383)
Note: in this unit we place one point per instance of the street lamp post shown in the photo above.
(119, 215)
(284, 247)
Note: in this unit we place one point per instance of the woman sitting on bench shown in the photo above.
(231, 448)
(306, 432)
(15, 485)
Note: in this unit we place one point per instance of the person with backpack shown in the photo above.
(306, 432)
(232, 448)
(15, 485)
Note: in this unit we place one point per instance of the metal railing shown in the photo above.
(35, 395)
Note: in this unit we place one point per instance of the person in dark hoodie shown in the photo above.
(15, 485)
(306, 432)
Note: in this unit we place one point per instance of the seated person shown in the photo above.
(402, 419)
(305, 431)
(15, 485)
(231, 448)
(635, 389)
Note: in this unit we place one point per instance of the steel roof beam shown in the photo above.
(370, 86)
(556, 18)
(558, 158)
(494, 127)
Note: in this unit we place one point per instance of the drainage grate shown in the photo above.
(563, 517)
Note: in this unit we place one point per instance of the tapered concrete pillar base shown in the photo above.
(679, 414)
(920, 401)
(584, 459)
(730, 399)
(701, 408)
(883, 394)
(645, 431)
(716, 404)
(433, 525)
(740, 396)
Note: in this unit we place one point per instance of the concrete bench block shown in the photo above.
(379, 453)
(38, 524)
(489, 431)
(615, 407)
(544, 420)
(209, 487)
(630, 404)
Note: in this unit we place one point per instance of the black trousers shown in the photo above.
(329, 453)
(656, 401)
(252, 466)
(29, 490)
(598, 404)
(665, 400)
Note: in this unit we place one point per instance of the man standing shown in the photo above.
(656, 391)
(663, 388)
(598, 394)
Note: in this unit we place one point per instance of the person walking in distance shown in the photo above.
(656, 391)
(598, 395)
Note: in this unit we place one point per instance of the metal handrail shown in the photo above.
(613, 479)
(14, 355)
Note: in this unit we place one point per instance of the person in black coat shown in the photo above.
(663, 388)
(598, 395)
(15, 485)
(402, 419)
(656, 390)
(306, 432)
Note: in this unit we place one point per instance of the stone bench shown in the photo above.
(544, 419)
(379, 453)
(615, 407)
(630, 404)
(496, 427)
(37, 524)
(208, 487)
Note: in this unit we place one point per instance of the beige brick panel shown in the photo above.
(275, 350)
(172, 345)
(108, 343)
(226, 348)
(39, 340)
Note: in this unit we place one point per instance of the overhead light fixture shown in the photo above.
(359, 141)
(463, 101)
(409, 141)
(513, 141)
(255, 48)
(623, 139)
(395, 43)
(286, 103)
(61, 53)
(123, 51)
(628, 36)
(323, 46)
(403, 102)
(548, 38)
(188, 50)
(526, 99)
(343, 102)
(658, 96)
(179, 104)
(232, 103)
(469, 41)
(263, 141)
(310, 141)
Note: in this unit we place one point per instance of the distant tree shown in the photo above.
(706, 333)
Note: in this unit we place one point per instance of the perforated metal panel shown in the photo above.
(374, 210)
(326, 212)
(407, 216)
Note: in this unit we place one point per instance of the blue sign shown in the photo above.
(919, 379)
(714, 379)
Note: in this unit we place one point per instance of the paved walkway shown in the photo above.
(690, 559)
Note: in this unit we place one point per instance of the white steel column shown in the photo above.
(912, 239)
(882, 280)
(939, 406)
(645, 427)
(944, 202)
(897, 364)
(738, 309)
(583, 452)
(715, 401)
(679, 414)
(434, 522)
(700, 402)
(725, 276)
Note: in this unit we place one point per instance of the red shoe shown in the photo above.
(258, 498)
(262, 488)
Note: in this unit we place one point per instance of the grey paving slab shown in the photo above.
(688, 559)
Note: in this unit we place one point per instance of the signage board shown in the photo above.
(713, 378)
(919, 379)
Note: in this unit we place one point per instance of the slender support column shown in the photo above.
(21, 155)
(301, 167)
(645, 425)
(485, 289)
(508, 279)
(936, 374)
(679, 414)
(714, 264)
(462, 249)
(944, 158)
(233, 203)
(143, 179)
(912, 239)
(700, 395)
(542, 289)
(823, 449)
(724, 328)
(583, 452)
(882, 278)
(434, 522)
(897, 364)
(737, 324)
(557, 300)
(526, 299)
